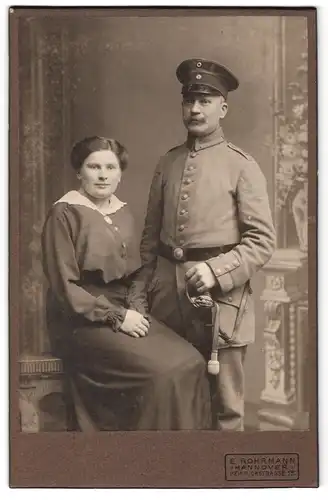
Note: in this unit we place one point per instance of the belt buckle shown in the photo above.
(178, 253)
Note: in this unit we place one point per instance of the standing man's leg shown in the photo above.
(173, 309)
(229, 390)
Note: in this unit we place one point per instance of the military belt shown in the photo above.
(180, 254)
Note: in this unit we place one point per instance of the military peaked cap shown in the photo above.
(205, 77)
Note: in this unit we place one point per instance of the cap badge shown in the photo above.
(198, 76)
(199, 64)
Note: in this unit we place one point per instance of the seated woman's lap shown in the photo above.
(162, 350)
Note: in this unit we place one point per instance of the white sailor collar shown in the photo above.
(76, 198)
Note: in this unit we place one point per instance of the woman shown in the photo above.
(127, 370)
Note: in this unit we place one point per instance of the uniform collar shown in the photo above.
(76, 198)
(197, 143)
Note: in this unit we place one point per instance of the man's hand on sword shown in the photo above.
(201, 277)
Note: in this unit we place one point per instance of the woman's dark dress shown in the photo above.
(92, 263)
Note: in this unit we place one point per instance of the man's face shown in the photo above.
(202, 113)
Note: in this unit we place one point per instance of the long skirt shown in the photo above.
(157, 382)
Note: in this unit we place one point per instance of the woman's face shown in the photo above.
(100, 174)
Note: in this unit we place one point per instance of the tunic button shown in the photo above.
(187, 181)
(193, 154)
(123, 245)
(190, 167)
(182, 212)
(116, 228)
(230, 299)
(249, 217)
(218, 271)
(181, 228)
(235, 263)
(227, 267)
(184, 197)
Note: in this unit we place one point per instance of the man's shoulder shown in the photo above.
(168, 157)
(176, 149)
(171, 155)
(247, 166)
(240, 152)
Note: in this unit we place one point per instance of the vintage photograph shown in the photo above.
(163, 221)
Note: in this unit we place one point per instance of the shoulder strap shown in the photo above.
(240, 151)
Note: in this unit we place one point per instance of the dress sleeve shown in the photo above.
(62, 271)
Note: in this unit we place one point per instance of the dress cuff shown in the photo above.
(116, 318)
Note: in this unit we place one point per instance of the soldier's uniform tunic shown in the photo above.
(208, 194)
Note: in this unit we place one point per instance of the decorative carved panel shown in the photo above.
(284, 396)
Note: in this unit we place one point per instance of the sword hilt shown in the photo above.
(205, 301)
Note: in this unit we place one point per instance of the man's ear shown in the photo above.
(224, 109)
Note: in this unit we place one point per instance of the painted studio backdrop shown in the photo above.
(115, 76)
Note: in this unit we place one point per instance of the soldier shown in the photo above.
(208, 230)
